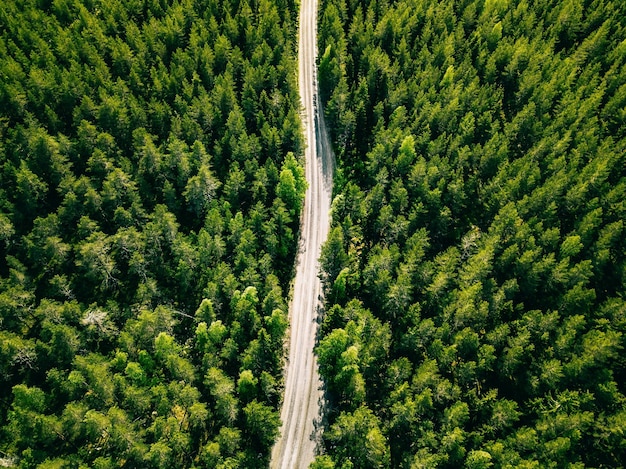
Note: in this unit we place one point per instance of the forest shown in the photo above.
(475, 272)
(151, 180)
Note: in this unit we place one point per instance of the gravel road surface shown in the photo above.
(302, 404)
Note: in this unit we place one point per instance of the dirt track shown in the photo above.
(301, 412)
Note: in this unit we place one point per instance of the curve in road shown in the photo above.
(302, 404)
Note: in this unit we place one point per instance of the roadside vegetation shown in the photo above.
(475, 272)
(150, 189)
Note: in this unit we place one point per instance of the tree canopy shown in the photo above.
(150, 188)
(475, 273)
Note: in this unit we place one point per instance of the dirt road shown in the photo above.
(301, 412)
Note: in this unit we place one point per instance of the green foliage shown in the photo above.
(292, 185)
(150, 189)
(359, 430)
(476, 226)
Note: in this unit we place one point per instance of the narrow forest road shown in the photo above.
(301, 412)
